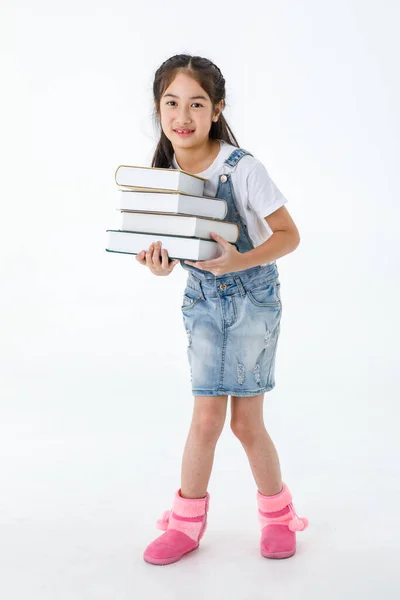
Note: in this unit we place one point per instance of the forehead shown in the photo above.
(184, 86)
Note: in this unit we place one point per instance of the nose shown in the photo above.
(184, 117)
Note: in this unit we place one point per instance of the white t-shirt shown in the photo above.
(256, 195)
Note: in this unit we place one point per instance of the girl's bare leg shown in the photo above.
(247, 423)
(208, 420)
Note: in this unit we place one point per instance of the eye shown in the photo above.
(169, 102)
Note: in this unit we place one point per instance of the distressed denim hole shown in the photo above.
(267, 338)
(241, 370)
(256, 372)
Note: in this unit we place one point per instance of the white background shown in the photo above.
(95, 387)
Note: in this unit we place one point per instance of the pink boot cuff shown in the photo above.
(190, 507)
(188, 515)
(274, 503)
(271, 510)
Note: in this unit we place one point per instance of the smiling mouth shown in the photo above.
(184, 130)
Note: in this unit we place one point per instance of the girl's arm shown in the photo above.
(284, 239)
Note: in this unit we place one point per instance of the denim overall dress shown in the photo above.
(232, 321)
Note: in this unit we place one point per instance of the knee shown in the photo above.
(208, 427)
(245, 431)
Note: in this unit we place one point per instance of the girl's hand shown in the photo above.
(151, 259)
(230, 260)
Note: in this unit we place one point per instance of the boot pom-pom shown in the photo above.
(163, 522)
(298, 524)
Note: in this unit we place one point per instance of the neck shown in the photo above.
(197, 159)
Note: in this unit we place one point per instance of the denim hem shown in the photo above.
(267, 388)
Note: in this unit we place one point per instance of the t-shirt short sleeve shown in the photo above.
(264, 197)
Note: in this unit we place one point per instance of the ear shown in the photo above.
(218, 110)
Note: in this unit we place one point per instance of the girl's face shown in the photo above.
(186, 112)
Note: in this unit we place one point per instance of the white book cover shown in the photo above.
(154, 178)
(175, 203)
(125, 242)
(188, 226)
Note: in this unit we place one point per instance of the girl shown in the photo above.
(231, 308)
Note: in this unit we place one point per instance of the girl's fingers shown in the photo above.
(149, 254)
(156, 255)
(164, 258)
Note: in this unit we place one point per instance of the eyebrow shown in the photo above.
(191, 97)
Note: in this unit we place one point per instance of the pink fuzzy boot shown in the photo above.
(184, 524)
(279, 522)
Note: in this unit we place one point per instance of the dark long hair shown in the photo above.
(211, 80)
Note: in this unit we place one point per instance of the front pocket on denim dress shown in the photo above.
(190, 298)
(266, 295)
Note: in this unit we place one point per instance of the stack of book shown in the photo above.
(168, 205)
